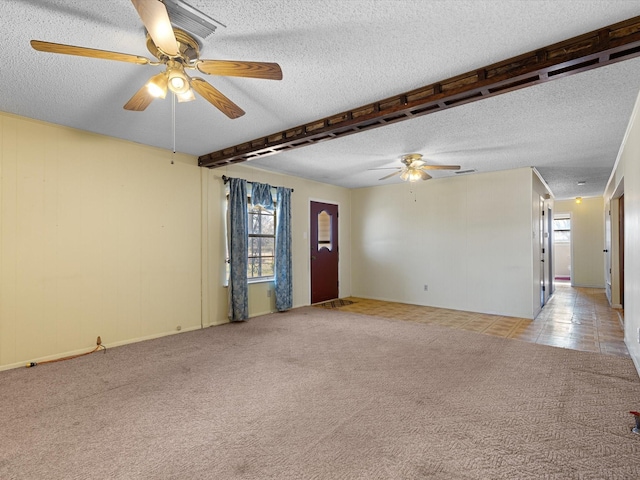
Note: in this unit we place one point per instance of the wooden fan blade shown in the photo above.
(155, 18)
(217, 99)
(87, 52)
(140, 100)
(390, 175)
(230, 68)
(441, 167)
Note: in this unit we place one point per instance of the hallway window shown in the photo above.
(562, 230)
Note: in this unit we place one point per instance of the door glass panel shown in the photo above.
(324, 231)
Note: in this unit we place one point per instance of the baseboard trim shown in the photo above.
(22, 364)
(633, 359)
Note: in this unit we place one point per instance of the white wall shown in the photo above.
(468, 238)
(587, 238)
(627, 173)
(97, 237)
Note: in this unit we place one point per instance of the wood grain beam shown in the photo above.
(615, 43)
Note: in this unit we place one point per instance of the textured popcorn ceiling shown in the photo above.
(336, 55)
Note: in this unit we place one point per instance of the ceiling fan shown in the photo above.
(413, 168)
(177, 51)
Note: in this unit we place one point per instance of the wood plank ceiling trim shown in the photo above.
(615, 43)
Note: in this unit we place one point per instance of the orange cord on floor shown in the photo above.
(70, 357)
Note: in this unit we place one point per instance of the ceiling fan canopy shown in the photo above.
(413, 168)
(178, 52)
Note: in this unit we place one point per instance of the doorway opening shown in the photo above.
(562, 247)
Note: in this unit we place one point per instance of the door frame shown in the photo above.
(615, 244)
(308, 246)
(621, 248)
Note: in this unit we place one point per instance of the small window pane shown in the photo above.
(254, 247)
(254, 223)
(562, 237)
(253, 268)
(267, 267)
(268, 224)
(324, 231)
(267, 246)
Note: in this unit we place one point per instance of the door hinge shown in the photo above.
(544, 288)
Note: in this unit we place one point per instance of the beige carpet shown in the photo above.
(322, 394)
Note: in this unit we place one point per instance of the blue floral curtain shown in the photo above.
(283, 280)
(261, 195)
(238, 245)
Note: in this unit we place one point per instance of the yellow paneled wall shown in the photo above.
(103, 237)
(97, 237)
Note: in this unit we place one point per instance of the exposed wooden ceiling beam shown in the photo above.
(615, 43)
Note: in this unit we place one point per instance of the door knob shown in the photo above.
(312, 257)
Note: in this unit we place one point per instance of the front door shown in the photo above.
(324, 252)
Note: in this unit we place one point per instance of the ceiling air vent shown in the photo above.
(464, 171)
(190, 19)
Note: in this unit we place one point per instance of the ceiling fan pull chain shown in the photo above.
(173, 124)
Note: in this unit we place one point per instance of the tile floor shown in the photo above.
(575, 318)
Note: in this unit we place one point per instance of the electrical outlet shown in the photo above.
(426, 288)
(269, 292)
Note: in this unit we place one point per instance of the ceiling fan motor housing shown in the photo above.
(188, 48)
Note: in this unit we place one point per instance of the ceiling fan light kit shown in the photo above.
(177, 79)
(176, 50)
(157, 85)
(413, 168)
(187, 96)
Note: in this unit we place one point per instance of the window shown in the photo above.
(262, 241)
(562, 229)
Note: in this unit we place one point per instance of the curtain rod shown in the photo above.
(226, 179)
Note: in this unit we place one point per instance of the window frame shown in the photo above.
(262, 212)
(561, 230)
